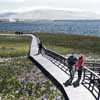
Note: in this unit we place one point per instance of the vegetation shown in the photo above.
(61, 43)
(11, 46)
(21, 80)
(65, 44)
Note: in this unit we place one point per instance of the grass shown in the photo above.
(61, 43)
(19, 76)
(14, 46)
(60, 50)
(64, 43)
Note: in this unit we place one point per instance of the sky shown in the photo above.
(26, 5)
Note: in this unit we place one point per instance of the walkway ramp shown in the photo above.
(79, 93)
(50, 65)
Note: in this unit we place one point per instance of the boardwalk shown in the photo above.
(79, 93)
(59, 73)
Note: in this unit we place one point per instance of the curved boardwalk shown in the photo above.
(79, 93)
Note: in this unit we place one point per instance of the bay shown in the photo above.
(82, 27)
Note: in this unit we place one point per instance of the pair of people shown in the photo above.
(75, 64)
(18, 33)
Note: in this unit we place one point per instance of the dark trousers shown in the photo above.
(79, 73)
(72, 72)
(40, 50)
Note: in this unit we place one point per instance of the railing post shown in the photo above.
(99, 89)
(93, 83)
(99, 95)
(83, 76)
(91, 80)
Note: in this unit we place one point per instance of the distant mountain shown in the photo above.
(52, 14)
(6, 15)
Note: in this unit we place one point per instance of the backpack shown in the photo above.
(71, 60)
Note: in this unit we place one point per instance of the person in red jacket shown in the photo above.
(79, 66)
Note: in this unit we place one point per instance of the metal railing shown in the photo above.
(56, 56)
(90, 80)
(93, 66)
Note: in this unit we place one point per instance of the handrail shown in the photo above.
(92, 72)
(56, 56)
(91, 80)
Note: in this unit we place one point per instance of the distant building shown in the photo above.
(12, 20)
(7, 20)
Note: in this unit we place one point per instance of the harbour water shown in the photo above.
(82, 27)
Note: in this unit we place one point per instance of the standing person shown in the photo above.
(79, 66)
(71, 62)
(39, 46)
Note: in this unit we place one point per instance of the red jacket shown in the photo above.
(80, 63)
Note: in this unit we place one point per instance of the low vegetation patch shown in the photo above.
(20, 79)
(64, 43)
(11, 46)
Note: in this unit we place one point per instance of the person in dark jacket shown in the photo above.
(71, 62)
(40, 48)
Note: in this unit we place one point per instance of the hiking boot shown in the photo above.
(76, 83)
(68, 82)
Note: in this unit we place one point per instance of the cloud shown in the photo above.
(26, 5)
(3, 1)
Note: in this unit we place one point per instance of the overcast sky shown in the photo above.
(25, 5)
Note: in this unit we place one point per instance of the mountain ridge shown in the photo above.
(51, 14)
